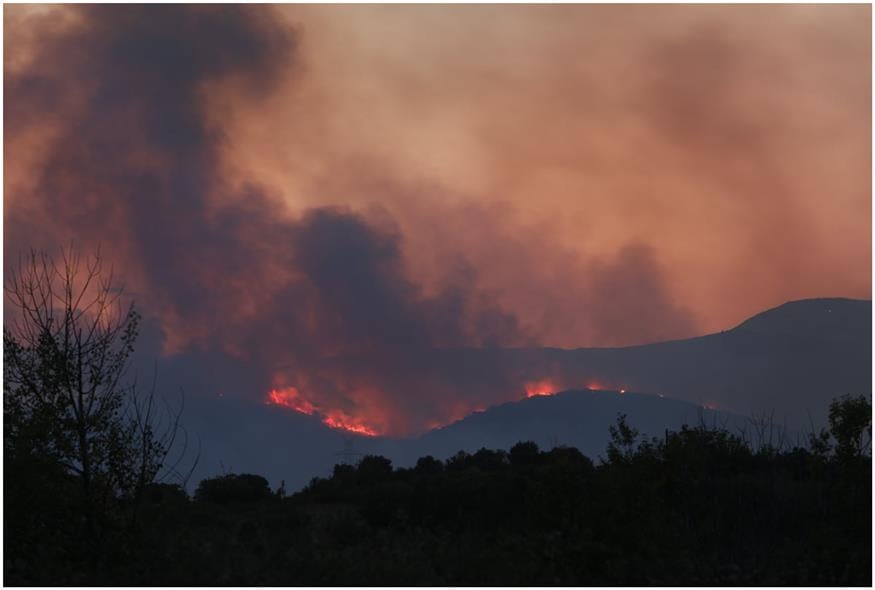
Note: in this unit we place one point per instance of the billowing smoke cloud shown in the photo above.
(733, 141)
(323, 300)
(335, 273)
(132, 159)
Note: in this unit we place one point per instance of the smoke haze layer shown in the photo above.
(329, 195)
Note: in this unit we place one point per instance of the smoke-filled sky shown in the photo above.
(340, 190)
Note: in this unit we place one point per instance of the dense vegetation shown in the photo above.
(697, 506)
(83, 450)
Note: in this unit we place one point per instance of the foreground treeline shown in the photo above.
(697, 506)
(88, 457)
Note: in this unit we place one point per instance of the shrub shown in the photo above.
(233, 488)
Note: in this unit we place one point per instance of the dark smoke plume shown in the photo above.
(325, 301)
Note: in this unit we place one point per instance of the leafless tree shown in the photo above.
(767, 435)
(67, 339)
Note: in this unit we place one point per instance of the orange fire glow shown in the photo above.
(541, 387)
(368, 420)
(342, 421)
(290, 397)
(548, 386)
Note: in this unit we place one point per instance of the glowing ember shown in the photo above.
(367, 420)
(290, 397)
(542, 387)
(342, 422)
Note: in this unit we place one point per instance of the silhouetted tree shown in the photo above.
(374, 468)
(428, 464)
(343, 470)
(569, 456)
(524, 453)
(67, 340)
(819, 443)
(458, 462)
(281, 491)
(623, 439)
(489, 460)
(165, 493)
(233, 488)
(850, 421)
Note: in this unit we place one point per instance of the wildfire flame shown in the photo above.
(343, 422)
(290, 397)
(548, 386)
(540, 387)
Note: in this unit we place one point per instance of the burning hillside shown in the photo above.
(371, 418)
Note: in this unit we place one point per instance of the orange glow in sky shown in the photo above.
(565, 176)
(349, 423)
(541, 387)
(290, 397)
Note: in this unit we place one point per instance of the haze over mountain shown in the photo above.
(787, 362)
(576, 418)
(342, 202)
(791, 360)
(321, 232)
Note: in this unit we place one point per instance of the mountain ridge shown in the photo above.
(752, 369)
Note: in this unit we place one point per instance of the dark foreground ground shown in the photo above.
(695, 507)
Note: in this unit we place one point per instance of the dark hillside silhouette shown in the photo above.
(577, 418)
(790, 360)
(695, 506)
(675, 494)
(756, 371)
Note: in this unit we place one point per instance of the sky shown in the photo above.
(328, 194)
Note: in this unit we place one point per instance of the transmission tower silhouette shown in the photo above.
(348, 456)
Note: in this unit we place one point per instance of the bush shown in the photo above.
(524, 453)
(373, 468)
(428, 464)
(165, 493)
(233, 488)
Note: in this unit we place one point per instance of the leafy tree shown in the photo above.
(623, 438)
(524, 453)
(343, 470)
(428, 464)
(165, 493)
(458, 462)
(489, 460)
(850, 421)
(233, 488)
(569, 456)
(281, 491)
(374, 468)
(819, 443)
(67, 342)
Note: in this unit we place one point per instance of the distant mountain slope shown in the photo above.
(574, 418)
(815, 318)
(792, 360)
(238, 436)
